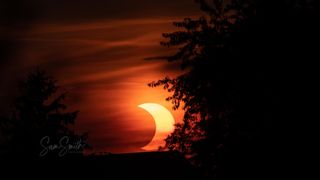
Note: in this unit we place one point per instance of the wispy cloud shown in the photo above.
(102, 65)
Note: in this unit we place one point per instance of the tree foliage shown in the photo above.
(224, 85)
(39, 111)
(235, 61)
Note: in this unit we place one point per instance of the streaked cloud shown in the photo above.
(99, 58)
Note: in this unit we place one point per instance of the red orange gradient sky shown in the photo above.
(97, 52)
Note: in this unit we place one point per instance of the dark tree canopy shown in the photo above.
(39, 111)
(231, 59)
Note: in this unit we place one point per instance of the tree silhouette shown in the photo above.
(229, 69)
(39, 111)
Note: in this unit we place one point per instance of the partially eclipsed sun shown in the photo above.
(164, 122)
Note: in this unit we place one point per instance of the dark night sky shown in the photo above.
(96, 50)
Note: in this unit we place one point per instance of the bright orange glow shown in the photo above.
(101, 63)
(164, 124)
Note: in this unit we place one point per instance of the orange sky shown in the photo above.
(101, 63)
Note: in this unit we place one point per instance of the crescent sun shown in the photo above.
(164, 122)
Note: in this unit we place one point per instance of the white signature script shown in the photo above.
(63, 147)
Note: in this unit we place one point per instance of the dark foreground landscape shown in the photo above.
(152, 165)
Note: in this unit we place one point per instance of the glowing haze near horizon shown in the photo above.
(97, 55)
